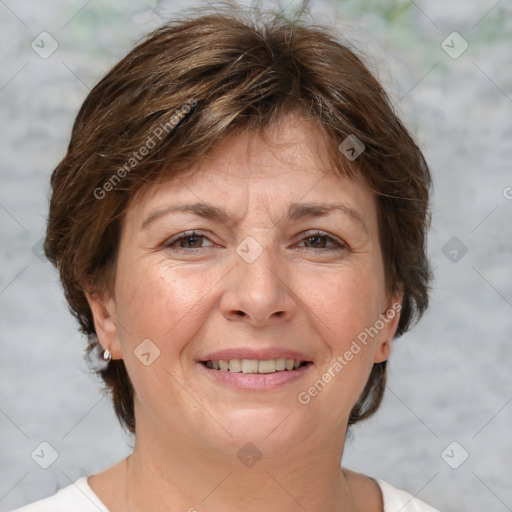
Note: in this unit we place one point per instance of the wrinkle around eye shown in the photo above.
(209, 241)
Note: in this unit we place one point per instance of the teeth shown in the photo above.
(254, 366)
(235, 365)
(268, 366)
(249, 366)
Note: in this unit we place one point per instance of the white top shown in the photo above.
(79, 497)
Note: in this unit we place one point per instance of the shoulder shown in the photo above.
(76, 497)
(396, 500)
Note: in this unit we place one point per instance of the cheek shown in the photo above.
(344, 309)
(347, 303)
(159, 301)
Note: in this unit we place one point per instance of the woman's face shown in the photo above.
(263, 278)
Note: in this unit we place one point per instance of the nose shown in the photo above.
(259, 293)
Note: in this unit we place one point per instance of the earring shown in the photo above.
(107, 356)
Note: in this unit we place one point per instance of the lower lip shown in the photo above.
(256, 381)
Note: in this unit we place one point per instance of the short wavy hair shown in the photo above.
(242, 71)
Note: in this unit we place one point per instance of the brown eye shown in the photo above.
(193, 241)
(322, 241)
(190, 240)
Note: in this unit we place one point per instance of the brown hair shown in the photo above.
(201, 78)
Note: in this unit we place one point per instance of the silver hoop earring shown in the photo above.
(107, 356)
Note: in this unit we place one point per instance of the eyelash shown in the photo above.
(338, 247)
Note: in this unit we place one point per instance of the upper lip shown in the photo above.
(259, 354)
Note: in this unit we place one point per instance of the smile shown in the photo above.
(255, 365)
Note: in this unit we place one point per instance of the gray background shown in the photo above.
(449, 379)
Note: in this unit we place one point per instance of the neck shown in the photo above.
(175, 473)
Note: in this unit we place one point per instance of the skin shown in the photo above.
(189, 428)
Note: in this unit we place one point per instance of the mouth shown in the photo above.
(255, 366)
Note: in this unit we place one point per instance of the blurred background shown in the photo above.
(443, 431)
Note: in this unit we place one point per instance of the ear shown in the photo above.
(388, 321)
(105, 323)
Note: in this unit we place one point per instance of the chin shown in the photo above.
(273, 431)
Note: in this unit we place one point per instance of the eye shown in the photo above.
(188, 240)
(317, 241)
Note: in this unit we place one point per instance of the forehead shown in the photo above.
(288, 162)
(290, 145)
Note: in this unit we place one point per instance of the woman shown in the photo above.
(239, 223)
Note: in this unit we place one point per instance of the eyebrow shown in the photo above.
(296, 211)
